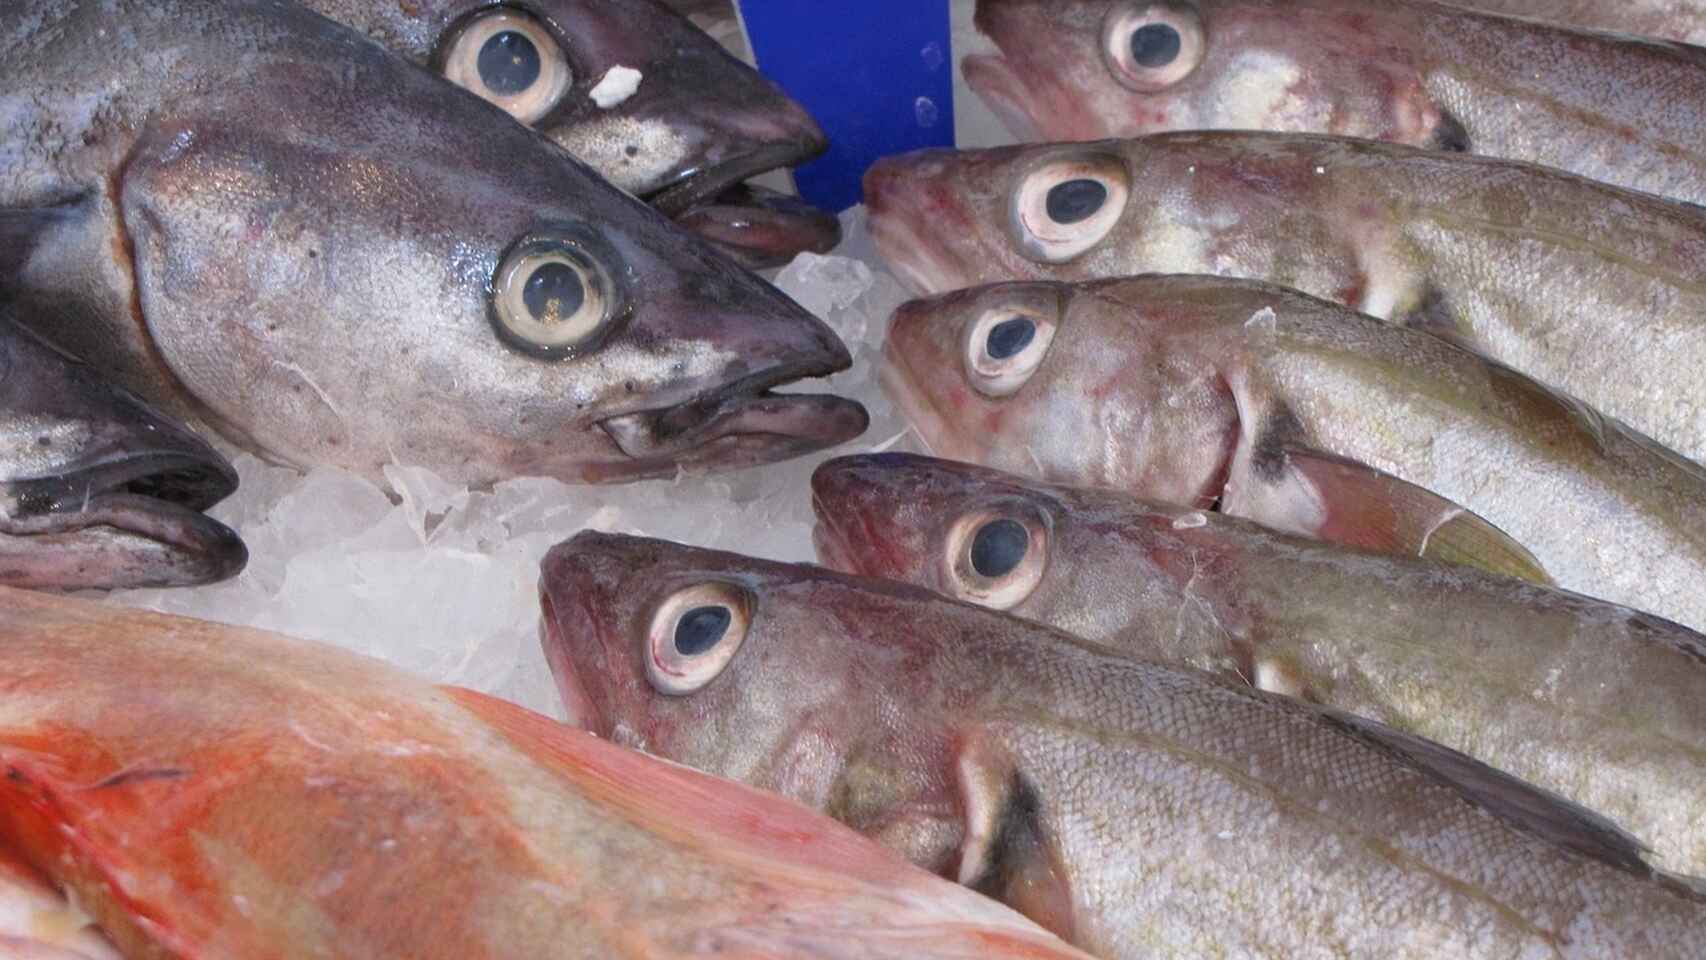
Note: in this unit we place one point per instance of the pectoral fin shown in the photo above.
(22, 230)
(1007, 853)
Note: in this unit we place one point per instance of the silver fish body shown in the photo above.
(1595, 702)
(1680, 20)
(1618, 109)
(1584, 287)
(384, 270)
(1140, 809)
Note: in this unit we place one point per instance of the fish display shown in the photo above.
(211, 791)
(1622, 110)
(97, 490)
(1137, 808)
(1584, 287)
(637, 92)
(1595, 702)
(1680, 20)
(1271, 405)
(384, 271)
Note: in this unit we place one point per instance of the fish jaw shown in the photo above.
(936, 218)
(761, 228)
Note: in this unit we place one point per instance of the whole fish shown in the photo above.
(633, 89)
(1623, 110)
(38, 923)
(1593, 701)
(1137, 808)
(1680, 20)
(1584, 287)
(1296, 413)
(97, 490)
(382, 270)
(211, 791)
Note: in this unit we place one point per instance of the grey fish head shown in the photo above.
(97, 490)
(629, 87)
(401, 273)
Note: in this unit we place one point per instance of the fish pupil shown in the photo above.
(1076, 200)
(509, 63)
(1009, 337)
(998, 547)
(554, 293)
(699, 629)
(1155, 45)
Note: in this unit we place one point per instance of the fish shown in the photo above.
(1138, 809)
(38, 923)
(1268, 404)
(98, 490)
(1588, 288)
(1595, 702)
(204, 790)
(696, 123)
(1623, 110)
(1681, 20)
(386, 270)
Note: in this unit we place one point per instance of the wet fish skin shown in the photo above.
(1139, 809)
(1680, 20)
(215, 791)
(97, 490)
(1201, 390)
(1614, 109)
(1588, 288)
(323, 288)
(1595, 702)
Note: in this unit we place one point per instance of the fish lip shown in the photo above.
(762, 228)
(694, 186)
(579, 709)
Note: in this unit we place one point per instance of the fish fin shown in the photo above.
(22, 229)
(1450, 134)
(1530, 808)
(1433, 316)
(1006, 853)
(1363, 507)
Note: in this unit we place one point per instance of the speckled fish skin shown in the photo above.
(1584, 287)
(1595, 702)
(320, 287)
(97, 491)
(211, 791)
(1616, 109)
(1197, 390)
(1680, 20)
(699, 121)
(1140, 809)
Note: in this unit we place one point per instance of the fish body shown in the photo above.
(39, 923)
(1680, 20)
(695, 124)
(97, 490)
(1595, 702)
(1581, 286)
(1140, 809)
(386, 270)
(210, 791)
(1299, 414)
(1618, 109)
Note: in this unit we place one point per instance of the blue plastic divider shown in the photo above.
(877, 74)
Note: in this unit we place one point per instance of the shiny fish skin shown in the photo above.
(1595, 702)
(320, 287)
(1680, 20)
(1587, 288)
(1141, 809)
(1615, 109)
(212, 791)
(1197, 390)
(97, 490)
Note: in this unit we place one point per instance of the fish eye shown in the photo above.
(1065, 206)
(694, 634)
(1003, 349)
(996, 558)
(1152, 46)
(552, 296)
(510, 59)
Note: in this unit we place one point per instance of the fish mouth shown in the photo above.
(695, 186)
(742, 424)
(127, 523)
(578, 707)
(762, 228)
(995, 82)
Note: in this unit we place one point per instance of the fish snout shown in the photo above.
(919, 222)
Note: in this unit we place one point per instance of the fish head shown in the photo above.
(97, 490)
(403, 275)
(1110, 383)
(1086, 69)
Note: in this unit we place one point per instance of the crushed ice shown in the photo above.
(444, 582)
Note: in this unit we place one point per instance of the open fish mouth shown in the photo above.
(694, 186)
(761, 228)
(742, 424)
(133, 522)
